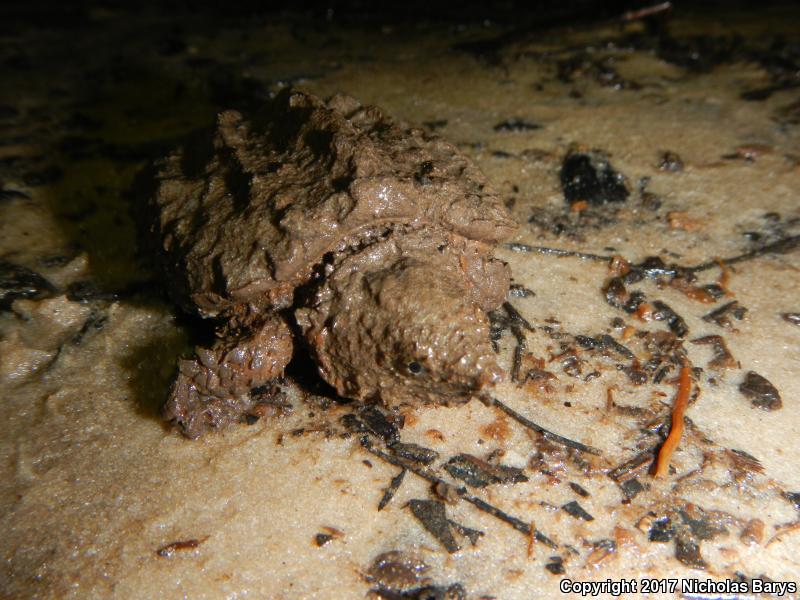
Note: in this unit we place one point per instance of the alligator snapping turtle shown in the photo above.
(330, 222)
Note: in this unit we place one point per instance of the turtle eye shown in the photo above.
(414, 368)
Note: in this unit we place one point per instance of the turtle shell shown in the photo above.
(243, 215)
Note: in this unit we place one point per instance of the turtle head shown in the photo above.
(408, 332)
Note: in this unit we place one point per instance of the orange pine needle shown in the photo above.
(675, 432)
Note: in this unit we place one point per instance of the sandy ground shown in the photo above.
(93, 484)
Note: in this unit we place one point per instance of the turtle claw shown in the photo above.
(213, 388)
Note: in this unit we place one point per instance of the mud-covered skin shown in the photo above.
(244, 218)
(213, 388)
(402, 320)
(402, 222)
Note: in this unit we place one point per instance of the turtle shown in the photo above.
(326, 228)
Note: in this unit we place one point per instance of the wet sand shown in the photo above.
(94, 484)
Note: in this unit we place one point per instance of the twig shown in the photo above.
(515, 317)
(647, 11)
(779, 247)
(518, 524)
(516, 247)
(516, 322)
(462, 493)
(394, 485)
(538, 428)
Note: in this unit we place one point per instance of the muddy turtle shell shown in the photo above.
(243, 215)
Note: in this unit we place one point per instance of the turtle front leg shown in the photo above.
(213, 388)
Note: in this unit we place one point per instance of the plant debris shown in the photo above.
(687, 551)
(514, 322)
(723, 359)
(781, 246)
(743, 464)
(415, 453)
(605, 341)
(579, 489)
(518, 524)
(753, 532)
(479, 473)
(555, 565)
(454, 591)
(589, 177)
(515, 318)
(170, 549)
(377, 423)
(793, 498)
(760, 391)
(516, 125)
(18, 282)
(661, 530)
(432, 515)
(630, 468)
(704, 525)
(524, 528)
(554, 437)
(676, 430)
(618, 296)
(631, 488)
(473, 535)
(601, 550)
(517, 290)
(559, 252)
(675, 323)
(688, 526)
(574, 509)
(791, 317)
(722, 315)
(671, 162)
(394, 485)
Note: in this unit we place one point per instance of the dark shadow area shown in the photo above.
(152, 366)
(303, 371)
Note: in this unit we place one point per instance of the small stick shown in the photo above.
(779, 247)
(169, 550)
(394, 485)
(516, 247)
(482, 505)
(675, 432)
(515, 317)
(517, 363)
(545, 432)
(515, 323)
(647, 11)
